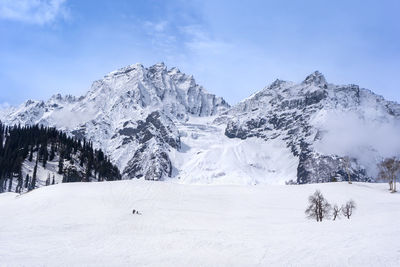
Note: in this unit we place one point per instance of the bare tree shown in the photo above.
(388, 169)
(318, 208)
(347, 209)
(336, 211)
(383, 175)
(347, 163)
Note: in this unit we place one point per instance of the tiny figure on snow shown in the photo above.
(136, 212)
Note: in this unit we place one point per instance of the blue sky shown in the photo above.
(233, 48)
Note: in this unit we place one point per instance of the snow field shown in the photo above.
(91, 224)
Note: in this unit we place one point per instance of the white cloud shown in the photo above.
(32, 11)
(369, 137)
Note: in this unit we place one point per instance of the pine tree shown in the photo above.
(52, 152)
(45, 155)
(48, 179)
(20, 182)
(88, 172)
(1, 137)
(10, 183)
(26, 180)
(31, 154)
(61, 165)
(33, 184)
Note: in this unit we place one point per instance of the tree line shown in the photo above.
(39, 145)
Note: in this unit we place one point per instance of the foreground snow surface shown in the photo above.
(91, 224)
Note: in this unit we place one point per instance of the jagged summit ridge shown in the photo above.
(157, 87)
(316, 78)
(128, 89)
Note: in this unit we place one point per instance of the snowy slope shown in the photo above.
(207, 156)
(186, 225)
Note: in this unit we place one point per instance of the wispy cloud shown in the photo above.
(156, 26)
(178, 39)
(161, 34)
(32, 11)
(199, 40)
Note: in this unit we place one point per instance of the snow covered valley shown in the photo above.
(91, 224)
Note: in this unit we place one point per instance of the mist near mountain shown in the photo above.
(368, 137)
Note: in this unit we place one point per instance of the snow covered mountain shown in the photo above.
(321, 124)
(157, 122)
(128, 114)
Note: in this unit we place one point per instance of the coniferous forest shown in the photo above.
(77, 160)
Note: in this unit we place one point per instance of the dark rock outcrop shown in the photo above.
(155, 136)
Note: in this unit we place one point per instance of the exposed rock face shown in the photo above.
(155, 136)
(316, 168)
(150, 162)
(316, 79)
(289, 111)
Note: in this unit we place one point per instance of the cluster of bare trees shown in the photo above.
(388, 170)
(319, 208)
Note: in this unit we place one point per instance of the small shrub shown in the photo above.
(336, 212)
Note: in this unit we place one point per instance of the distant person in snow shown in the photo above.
(136, 212)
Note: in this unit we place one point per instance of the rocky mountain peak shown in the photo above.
(316, 78)
(60, 98)
(159, 66)
(276, 84)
